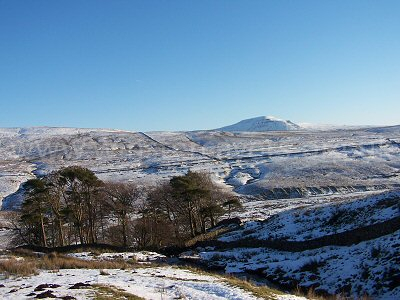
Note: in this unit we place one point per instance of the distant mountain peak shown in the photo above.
(263, 123)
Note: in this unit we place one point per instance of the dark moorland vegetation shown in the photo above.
(72, 206)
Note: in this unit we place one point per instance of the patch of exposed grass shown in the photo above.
(32, 263)
(103, 292)
(13, 267)
(263, 292)
(195, 270)
(55, 261)
(311, 294)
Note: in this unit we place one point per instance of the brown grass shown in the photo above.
(32, 263)
(55, 261)
(13, 267)
(310, 293)
(103, 292)
(263, 292)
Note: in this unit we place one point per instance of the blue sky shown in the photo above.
(183, 65)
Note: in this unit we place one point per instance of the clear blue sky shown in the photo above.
(182, 65)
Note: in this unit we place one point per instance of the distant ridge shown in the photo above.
(260, 124)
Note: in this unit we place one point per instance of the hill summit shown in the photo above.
(264, 123)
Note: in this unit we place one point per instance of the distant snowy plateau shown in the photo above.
(260, 158)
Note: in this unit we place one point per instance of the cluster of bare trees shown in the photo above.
(72, 206)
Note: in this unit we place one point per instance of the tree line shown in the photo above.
(73, 206)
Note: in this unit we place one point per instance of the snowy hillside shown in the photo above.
(350, 248)
(261, 124)
(270, 165)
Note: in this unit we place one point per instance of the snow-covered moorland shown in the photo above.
(271, 164)
(299, 187)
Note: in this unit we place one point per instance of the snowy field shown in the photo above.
(148, 283)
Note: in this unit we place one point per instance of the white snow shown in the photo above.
(150, 283)
(268, 123)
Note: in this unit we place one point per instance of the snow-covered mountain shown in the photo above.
(261, 124)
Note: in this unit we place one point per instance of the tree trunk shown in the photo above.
(44, 238)
(192, 229)
(60, 233)
(123, 223)
(203, 225)
(81, 234)
(191, 221)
